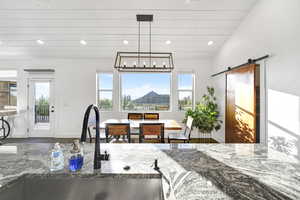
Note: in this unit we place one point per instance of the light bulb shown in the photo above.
(83, 42)
(40, 42)
(210, 43)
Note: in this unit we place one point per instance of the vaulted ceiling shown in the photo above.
(105, 24)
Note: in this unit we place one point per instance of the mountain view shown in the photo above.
(153, 98)
(150, 101)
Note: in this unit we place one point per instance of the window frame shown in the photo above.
(99, 90)
(13, 79)
(185, 90)
(121, 89)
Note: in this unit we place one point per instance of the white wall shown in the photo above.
(272, 27)
(75, 88)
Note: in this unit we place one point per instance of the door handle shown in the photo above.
(52, 109)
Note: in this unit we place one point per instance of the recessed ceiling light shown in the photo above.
(41, 42)
(83, 42)
(210, 43)
(125, 42)
(168, 42)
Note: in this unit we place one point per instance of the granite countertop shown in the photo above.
(194, 171)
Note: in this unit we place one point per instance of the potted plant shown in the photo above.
(206, 113)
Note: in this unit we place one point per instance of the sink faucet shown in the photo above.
(156, 168)
(97, 154)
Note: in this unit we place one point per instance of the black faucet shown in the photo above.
(97, 154)
(156, 168)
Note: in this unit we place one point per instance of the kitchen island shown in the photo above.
(191, 171)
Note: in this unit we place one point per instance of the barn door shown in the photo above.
(242, 105)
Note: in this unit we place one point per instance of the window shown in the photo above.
(105, 91)
(145, 91)
(8, 88)
(185, 91)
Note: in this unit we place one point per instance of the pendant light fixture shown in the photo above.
(141, 61)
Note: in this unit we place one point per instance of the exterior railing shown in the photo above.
(41, 113)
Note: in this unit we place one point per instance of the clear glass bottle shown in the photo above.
(56, 158)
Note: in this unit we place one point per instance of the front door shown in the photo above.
(41, 107)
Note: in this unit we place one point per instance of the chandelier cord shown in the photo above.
(139, 45)
(150, 43)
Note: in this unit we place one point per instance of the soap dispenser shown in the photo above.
(76, 159)
(56, 158)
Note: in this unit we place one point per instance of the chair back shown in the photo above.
(189, 122)
(189, 126)
(117, 129)
(151, 116)
(92, 120)
(156, 129)
(135, 116)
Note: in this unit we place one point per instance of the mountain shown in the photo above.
(153, 98)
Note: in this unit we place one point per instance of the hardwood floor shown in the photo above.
(39, 140)
(69, 140)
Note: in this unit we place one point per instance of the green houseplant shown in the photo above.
(206, 113)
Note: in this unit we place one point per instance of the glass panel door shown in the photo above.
(41, 104)
(41, 108)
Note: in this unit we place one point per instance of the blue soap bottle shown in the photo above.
(76, 158)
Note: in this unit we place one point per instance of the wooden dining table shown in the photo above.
(169, 124)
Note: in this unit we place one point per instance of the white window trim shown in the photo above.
(186, 90)
(17, 80)
(98, 90)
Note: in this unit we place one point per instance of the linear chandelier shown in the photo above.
(141, 61)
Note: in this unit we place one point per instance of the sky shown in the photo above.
(138, 84)
(42, 89)
(105, 81)
(185, 81)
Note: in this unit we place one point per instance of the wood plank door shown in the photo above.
(242, 105)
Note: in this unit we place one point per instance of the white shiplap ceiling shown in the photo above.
(104, 24)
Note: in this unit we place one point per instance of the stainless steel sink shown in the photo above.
(93, 187)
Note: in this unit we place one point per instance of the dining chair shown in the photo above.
(92, 126)
(152, 129)
(117, 130)
(186, 135)
(91, 123)
(151, 116)
(135, 116)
